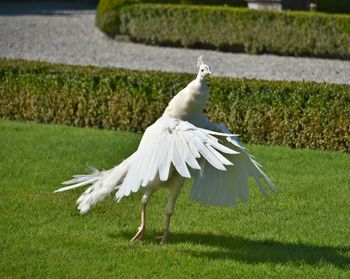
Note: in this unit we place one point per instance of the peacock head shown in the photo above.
(204, 69)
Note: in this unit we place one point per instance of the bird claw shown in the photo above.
(139, 235)
(163, 238)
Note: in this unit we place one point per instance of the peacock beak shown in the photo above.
(209, 71)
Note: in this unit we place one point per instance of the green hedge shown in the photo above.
(108, 11)
(233, 3)
(234, 29)
(333, 6)
(298, 114)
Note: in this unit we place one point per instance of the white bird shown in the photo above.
(181, 144)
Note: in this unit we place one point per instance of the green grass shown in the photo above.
(302, 231)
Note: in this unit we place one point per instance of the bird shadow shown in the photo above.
(237, 248)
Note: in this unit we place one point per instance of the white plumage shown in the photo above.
(181, 144)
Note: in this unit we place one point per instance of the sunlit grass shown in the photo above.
(302, 231)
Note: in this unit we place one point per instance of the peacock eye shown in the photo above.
(202, 70)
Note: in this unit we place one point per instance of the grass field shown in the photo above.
(301, 232)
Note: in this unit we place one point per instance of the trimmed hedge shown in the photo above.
(108, 11)
(298, 114)
(233, 3)
(233, 29)
(107, 15)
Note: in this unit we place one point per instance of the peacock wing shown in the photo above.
(171, 142)
(214, 187)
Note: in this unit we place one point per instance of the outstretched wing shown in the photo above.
(172, 142)
(224, 188)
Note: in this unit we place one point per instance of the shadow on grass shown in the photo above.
(256, 251)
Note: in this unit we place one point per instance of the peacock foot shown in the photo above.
(139, 235)
(163, 238)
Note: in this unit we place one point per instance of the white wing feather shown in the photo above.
(103, 184)
(172, 142)
(214, 187)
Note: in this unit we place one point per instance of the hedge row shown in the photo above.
(298, 114)
(331, 6)
(233, 3)
(108, 11)
(231, 29)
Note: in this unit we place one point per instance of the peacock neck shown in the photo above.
(189, 103)
(200, 78)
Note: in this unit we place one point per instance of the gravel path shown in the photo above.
(68, 35)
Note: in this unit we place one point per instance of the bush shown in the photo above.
(108, 13)
(332, 6)
(298, 114)
(107, 18)
(234, 3)
(236, 29)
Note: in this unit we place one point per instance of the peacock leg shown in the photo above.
(174, 190)
(141, 229)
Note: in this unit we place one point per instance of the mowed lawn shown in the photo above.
(303, 231)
